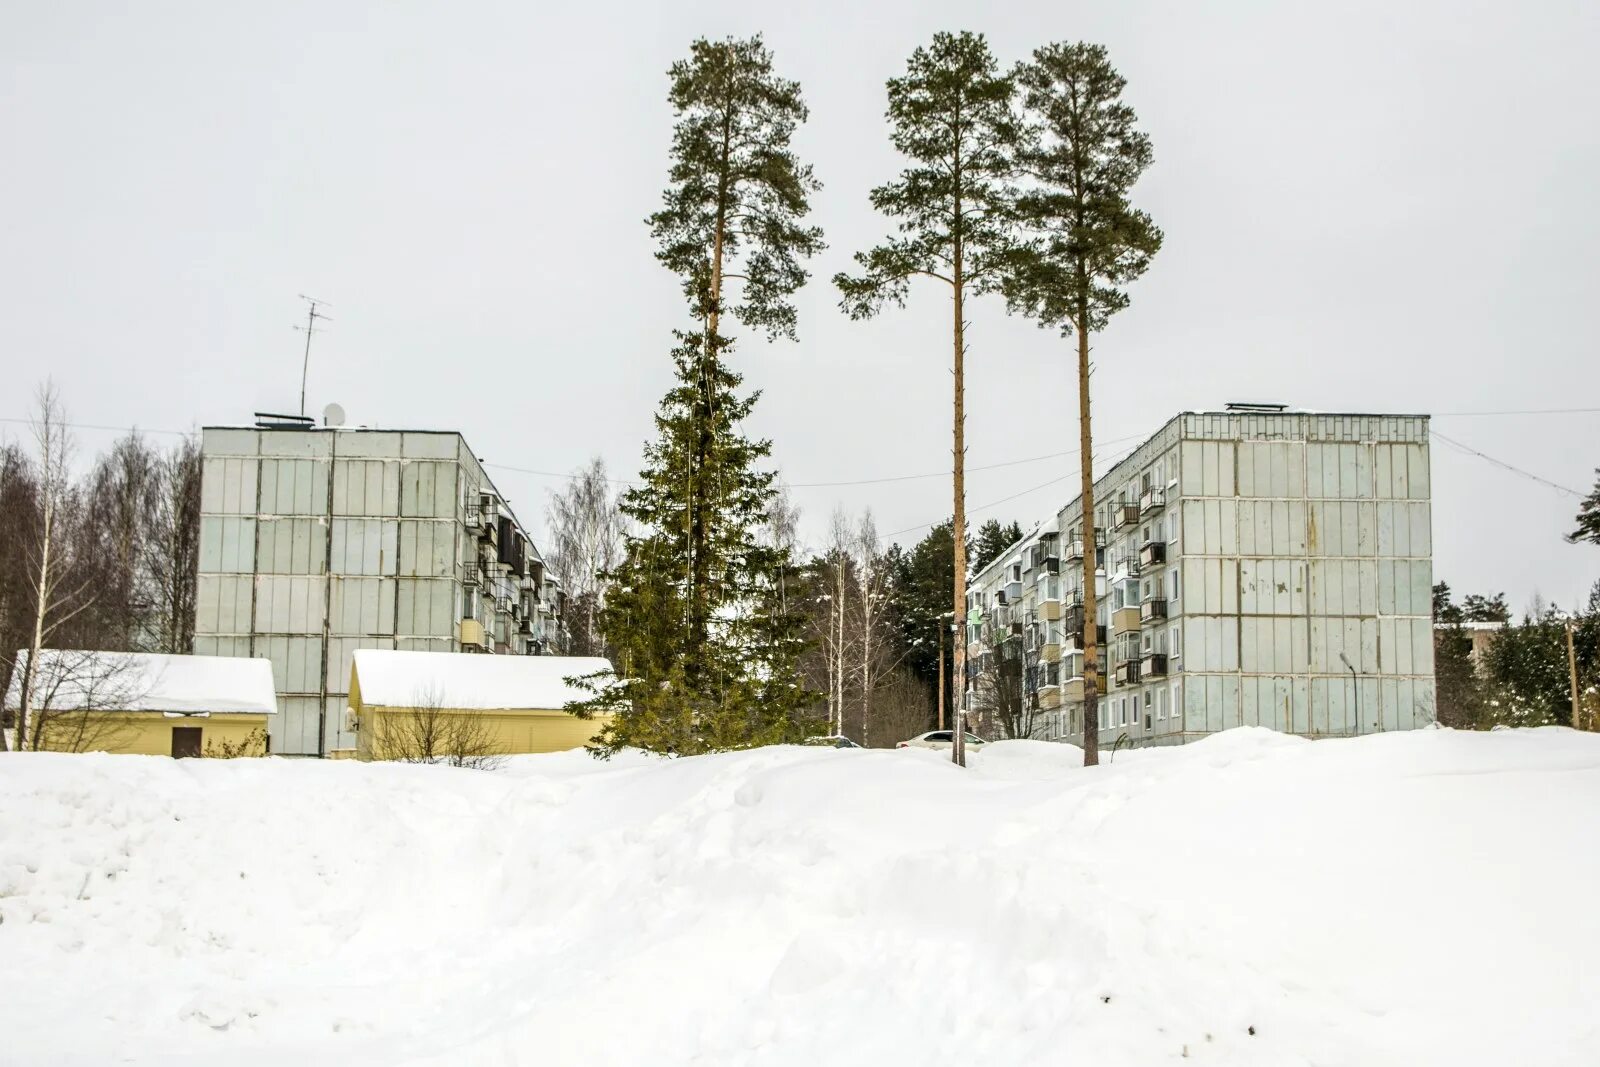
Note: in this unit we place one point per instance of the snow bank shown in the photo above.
(1417, 898)
(398, 679)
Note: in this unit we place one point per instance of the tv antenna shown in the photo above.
(312, 315)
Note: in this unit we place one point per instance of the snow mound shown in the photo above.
(1400, 899)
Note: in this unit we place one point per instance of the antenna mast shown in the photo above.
(312, 315)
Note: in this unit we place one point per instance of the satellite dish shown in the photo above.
(333, 415)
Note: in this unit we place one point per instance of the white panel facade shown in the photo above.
(1268, 548)
(314, 543)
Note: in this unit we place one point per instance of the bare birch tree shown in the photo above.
(56, 595)
(586, 528)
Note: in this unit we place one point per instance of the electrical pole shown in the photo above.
(1572, 673)
(312, 315)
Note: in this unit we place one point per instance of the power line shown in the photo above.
(1502, 463)
(933, 474)
(1006, 500)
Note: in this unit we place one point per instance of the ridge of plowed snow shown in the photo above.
(1406, 899)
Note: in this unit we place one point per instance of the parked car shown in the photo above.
(831, 741)
(941, 740)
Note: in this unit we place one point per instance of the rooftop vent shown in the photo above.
(1245, 405)
(266, 420)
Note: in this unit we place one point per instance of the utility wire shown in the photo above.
(1502, 463)
(934, 474)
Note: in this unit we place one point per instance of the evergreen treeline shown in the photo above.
(1520, 673)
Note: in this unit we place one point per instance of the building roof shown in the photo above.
(77, 680)
(473, 681)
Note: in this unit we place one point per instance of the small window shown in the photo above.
(940, 735)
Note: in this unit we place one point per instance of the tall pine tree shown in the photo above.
(951, 117)
(706, 642)
(731, 214)
(1082, 154)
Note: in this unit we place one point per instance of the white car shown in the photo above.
(940, 740)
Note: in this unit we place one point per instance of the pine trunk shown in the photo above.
(958, 675)
(1091, 650)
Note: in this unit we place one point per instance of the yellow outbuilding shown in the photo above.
(466, 707)
(146, 704)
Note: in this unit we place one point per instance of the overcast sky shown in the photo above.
(1384, 207)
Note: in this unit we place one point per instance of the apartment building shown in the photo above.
(317, 541)
(1254, 567)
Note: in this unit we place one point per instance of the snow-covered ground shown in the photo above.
(1422, 898)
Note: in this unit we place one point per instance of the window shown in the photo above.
(1177, 703)
(1103, 714)
(1175, 643)
(1161, 706)
(1122, 711)
(1172, 586)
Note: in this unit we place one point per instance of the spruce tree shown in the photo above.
(951, 117)
(1082, 155)
(677, 689)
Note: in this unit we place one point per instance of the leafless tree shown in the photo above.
(74, 695)
(19, 520)
(120, 494)
(586, 528)
(899, 709)
(880, 646)
(429, 732)
(172, 548)
(57, 596)
(1000, 691)
(830, 621)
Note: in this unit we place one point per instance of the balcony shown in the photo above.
(1154, 608)
(472, 635)
(1126, 620)
(1153, 553)
(1074, 550)
(1013, 592)
(1128, 672)
(1127, 515)
(1154, 499)
(1154, 665)
(1049, 565)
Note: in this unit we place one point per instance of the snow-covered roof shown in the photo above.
(470, 680)
(72, 680)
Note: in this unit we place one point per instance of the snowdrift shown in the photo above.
(1422, 898)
